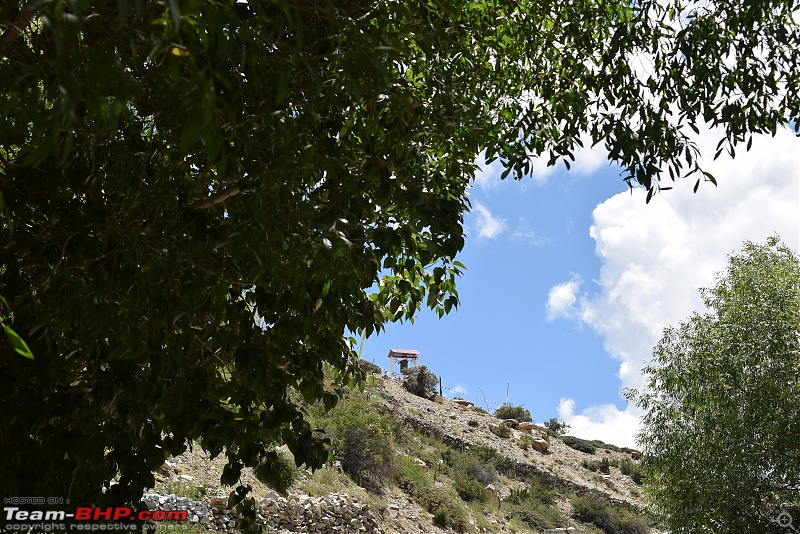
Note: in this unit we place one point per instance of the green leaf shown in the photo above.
(18, 343)
(175, 11)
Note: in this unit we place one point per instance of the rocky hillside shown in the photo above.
(455, 469)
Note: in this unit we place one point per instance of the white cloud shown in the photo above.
(488, 175)
(489, 226)
(655, 257)
(523, 232)
(606, 422)
(562, 297)
(459, 389)
(587, 160)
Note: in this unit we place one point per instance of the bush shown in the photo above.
(422, 382)
(370, 367)
(501, 430)
(279, 469)
(591, 465)
(533, 505)
(633, 470)
(603, 445)
(605, 466)
(447, 511)
(559, 428)
(367, 457)
(363, 440)
(579, 444)
(471, 472)
(469, 489)
(609, 518)
(409, 473)
(507, 411)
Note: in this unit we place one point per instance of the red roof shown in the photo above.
(403, 352)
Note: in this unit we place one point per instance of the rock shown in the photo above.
(540, 445)
(512, 423)
(218, 502)
(526, 427)
(464, 404)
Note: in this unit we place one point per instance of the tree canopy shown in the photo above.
(722, 417)
(200, 199)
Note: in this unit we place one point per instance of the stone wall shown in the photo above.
(333, 514)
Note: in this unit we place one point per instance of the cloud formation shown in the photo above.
(655, 257)
(489, 226)
(524, 233)
(562, 297)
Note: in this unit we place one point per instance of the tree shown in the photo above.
(511, 411)
(722, 417)
(556, 426)
(422, 382)
(199, 199)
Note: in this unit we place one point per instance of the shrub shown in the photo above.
(611, 519)
(279, 469)
(447, 511)
(533, 505)
(367, 457)
(454, 518)
(605, 466)
(603, 445)
(508, 411)
(370, 367)
(471, 472)
(470, 489)
(409, 473)
(363, 439)
(559, 428)
(501, 430)
(591, 465)
(486, 455)
(473, 423)
(579, 444)
(288, 472)
(183, 488)
(633, 470)
(422, 382)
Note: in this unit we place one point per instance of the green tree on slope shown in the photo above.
(199, 198)
(720, 434)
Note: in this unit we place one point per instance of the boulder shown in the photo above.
(464, 404)
(512, 423)
(526, 427)
(218, 502)
(540, 445)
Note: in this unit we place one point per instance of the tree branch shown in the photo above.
(216, 198)
(14, 29)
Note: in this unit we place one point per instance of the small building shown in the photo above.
(403, 357)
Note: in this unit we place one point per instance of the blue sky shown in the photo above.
(571, 278)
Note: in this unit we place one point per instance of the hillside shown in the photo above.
(444, 455)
